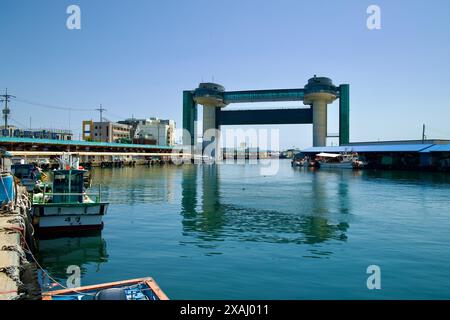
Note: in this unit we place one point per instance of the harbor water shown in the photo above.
(229, 232)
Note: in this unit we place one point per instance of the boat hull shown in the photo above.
(152, 289)
(341, 165)
(54, 218)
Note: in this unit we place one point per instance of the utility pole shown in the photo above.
(423, 134)
(6, 111)
(101, 109)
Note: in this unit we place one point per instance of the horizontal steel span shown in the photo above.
(265, 116)
(318, 92)
(263, 95)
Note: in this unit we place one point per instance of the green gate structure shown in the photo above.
(317, 94)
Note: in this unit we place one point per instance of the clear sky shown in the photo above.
(136, 57)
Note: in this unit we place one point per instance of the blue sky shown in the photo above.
(136, 57)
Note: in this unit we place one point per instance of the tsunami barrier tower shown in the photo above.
(317, 94)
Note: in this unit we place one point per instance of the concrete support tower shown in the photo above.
(319, 92)
(209, 95)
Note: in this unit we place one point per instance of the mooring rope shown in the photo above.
(28, 250)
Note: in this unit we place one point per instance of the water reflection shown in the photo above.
(136, 185)
(55, 255)
(411, 177)
(205, 218)
(317, 212)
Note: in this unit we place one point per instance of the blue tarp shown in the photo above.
(7, 188)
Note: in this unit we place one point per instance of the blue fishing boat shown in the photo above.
(136, 289)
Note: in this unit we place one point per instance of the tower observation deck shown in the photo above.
(317, 94)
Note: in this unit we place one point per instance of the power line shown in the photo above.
(49, 106)
(19, 123)
(101, 109)
(43, 105)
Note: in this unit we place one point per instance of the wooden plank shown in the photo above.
(149, 281)
(156, 289)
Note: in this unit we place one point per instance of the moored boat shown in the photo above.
(136, 289)
(301, 160)
(338, 160)
(68, 208)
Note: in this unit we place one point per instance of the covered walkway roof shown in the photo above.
(372, 148)
(439, 148)
(14, 140)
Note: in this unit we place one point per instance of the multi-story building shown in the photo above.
(162, 132)
(53, 134)
(106, 131)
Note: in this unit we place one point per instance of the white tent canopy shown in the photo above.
(328, 155)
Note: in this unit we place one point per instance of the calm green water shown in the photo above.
(227, 232)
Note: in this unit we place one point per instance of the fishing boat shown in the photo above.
(338, 160)
(302, 160)
(68, 207)
(136, 289)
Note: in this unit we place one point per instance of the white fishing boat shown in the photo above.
(339, 160)
(67, 208)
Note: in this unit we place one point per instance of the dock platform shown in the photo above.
(11, 254)
(18, 276)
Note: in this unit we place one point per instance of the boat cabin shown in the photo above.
(68, 186)
(23, 171)
(335, 157)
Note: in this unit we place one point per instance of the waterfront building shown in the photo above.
(106, 131)
(152, 131)
(245, 153)
(53, 134)
(428, 154)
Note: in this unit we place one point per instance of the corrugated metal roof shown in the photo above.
(439, 148)
(79, 143)
(372, 148)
